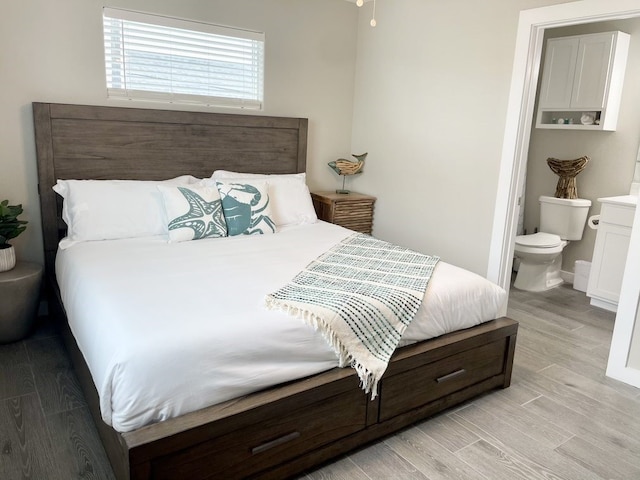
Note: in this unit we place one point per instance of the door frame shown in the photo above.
(528, 53)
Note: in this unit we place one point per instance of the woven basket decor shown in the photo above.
(567, 171)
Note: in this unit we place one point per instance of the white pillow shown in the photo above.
(247, 207)
(193, 212)
(111, 209)
(290, 197)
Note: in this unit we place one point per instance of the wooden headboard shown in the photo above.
(96, 142)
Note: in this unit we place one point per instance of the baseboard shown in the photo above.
(567, 276)
(627, 375)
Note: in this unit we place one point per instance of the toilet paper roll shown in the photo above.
(593, 221)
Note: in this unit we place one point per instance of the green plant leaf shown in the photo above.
(10, 226)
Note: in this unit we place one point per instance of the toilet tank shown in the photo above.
(566, 217)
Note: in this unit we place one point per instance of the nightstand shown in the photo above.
(353, 210)
(20, 293)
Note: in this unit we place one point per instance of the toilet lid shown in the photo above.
(540, 239)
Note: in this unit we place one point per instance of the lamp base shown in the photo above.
(343, 191)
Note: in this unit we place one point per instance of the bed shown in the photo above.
(272, 430)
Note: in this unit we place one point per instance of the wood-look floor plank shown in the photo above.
(448, 433)
(598, 390)
(592, 317)
(13, 354)
(585, 405)
(16, 377)
(382, 463)
(579, 334)
(530, 360)
(342, 469)
(518, 393)
(26, 452)
(16, 380)
(591, 429)
(54, 376)
(553, 332)
(543, 432)
(561, 353)
(522, 310)
(535, 449)
(564, 298)
(77, 446)
(495, 464)
(603, 463)
(431, 458)
(601, 356)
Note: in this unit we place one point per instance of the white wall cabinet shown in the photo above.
(582, 81)
(610, 251)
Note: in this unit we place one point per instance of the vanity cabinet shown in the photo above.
(610, 251)
(582, 81)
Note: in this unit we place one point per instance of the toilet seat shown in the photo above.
(539, 240)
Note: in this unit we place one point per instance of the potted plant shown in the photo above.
(10, 227)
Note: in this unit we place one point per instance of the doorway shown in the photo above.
(531, 28)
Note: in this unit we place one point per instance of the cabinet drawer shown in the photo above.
(346, 213)
(356, 216)
(421, 385)
(269, 442)
(617, 214)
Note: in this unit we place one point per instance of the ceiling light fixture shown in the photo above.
(373, 22)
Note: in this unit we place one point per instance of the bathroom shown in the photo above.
(614, 166)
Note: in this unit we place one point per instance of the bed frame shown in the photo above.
(284, 430)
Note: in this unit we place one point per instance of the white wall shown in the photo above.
(432, 85)
(51, 51)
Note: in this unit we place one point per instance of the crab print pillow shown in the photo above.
(246, 206)
(193, 212)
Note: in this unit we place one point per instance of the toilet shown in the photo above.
(540, 254)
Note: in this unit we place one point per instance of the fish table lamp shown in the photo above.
(345, 167)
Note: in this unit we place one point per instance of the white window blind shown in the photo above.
(151, 57)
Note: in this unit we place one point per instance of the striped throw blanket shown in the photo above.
(361, 294)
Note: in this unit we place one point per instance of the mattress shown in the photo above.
(169, 328)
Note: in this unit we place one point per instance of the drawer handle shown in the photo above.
(451, 375)
(275, 443)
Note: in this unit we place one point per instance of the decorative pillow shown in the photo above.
(247, 207)
(193, 212)
(290, 198)
(111, 209)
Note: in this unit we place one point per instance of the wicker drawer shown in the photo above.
(353, 211)
(419, 386)
(269, 441)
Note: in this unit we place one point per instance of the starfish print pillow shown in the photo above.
(247, 208)
(193, 212)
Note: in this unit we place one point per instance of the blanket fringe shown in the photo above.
(368, 379)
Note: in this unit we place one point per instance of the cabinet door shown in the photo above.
(559, 72)
(592, 71)
(609, 259)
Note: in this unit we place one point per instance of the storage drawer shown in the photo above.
(419, 386)
(353, 210)
(269, 442)
(617, 214)
(356, 216)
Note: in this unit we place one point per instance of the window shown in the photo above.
(150, 57)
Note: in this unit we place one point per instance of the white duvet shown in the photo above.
(169, 328)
